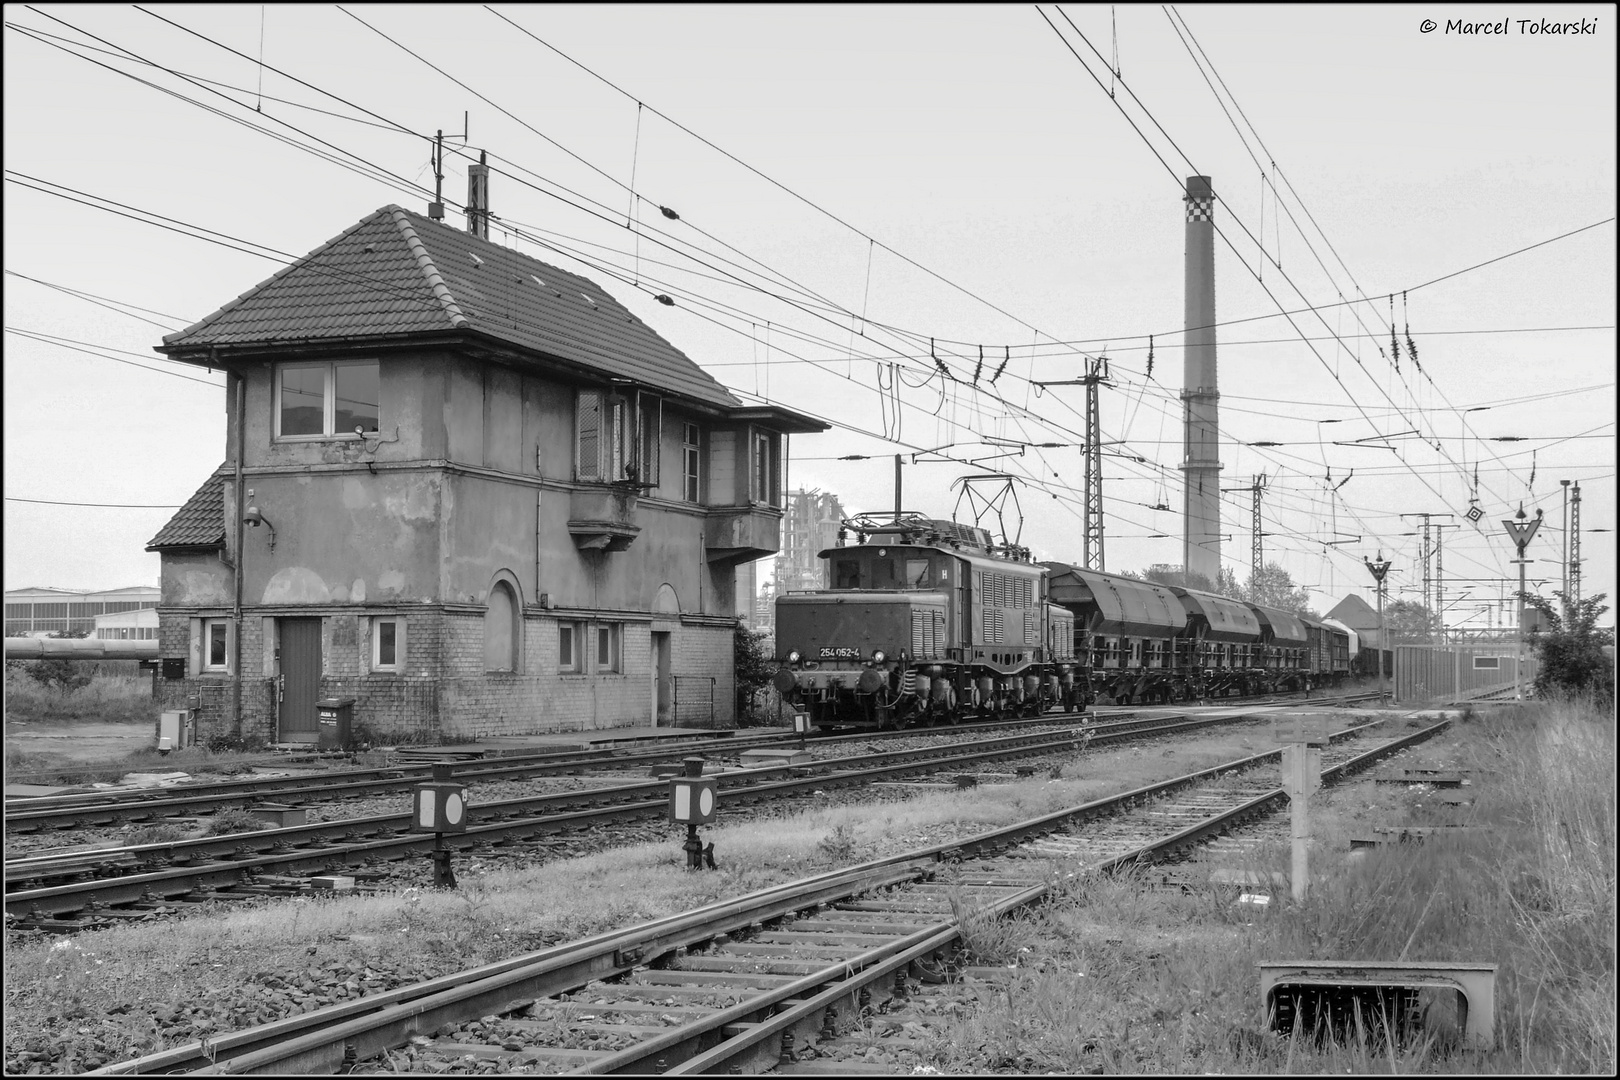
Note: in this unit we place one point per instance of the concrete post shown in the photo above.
(1302, 774)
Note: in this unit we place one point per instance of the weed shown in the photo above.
(161, 833)
(987, 939)
(839, 845)
(235, 820)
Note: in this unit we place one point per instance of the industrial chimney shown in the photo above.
(1201, 464)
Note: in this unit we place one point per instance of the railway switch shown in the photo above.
(694, 801)
(440, 806)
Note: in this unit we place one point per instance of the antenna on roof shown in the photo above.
(436, 207)
(478, 197)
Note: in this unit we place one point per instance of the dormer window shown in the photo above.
(329, 399)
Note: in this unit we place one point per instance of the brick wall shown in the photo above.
(459, 701)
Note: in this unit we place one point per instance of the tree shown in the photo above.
(1273, 587)
(1408, 622)
(1226, 583)
(1570, 649)
(754, 669)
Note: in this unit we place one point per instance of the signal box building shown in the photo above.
(480, 497)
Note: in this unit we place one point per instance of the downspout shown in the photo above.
(236, 620)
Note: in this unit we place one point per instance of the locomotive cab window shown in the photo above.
(847, 574)
(917, 573)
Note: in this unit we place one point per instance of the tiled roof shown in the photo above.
(401, 273)
(201, 521)
(1355, 613)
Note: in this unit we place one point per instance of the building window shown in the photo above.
(216, 644)
(618, 439)
(601, 423)
(692, 463)
(570, 642)
(607, 646)
(501, 634)
(388, 643)
(326, 400)
(649, 422)
(766, 467)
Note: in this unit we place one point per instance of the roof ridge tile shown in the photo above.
(430, 272)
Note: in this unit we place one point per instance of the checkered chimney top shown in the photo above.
(1200, 199)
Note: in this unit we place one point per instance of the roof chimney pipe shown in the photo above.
(478, 197)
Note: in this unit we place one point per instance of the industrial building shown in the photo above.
(810, 524)
(38, 612)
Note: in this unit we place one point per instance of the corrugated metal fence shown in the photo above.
(1425, 673)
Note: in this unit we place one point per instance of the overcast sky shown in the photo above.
(873, 178)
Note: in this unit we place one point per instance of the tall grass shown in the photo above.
(1130, 979)
(116, 697)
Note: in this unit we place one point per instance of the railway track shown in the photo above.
(762, 982)
(100, 808)
(76, 890)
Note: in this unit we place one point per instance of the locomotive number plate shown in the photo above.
(829, 652)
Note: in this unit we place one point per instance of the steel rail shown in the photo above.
(421, 1007)
(104, 807)
(841, 983)
(324, 1039)
(98, 897)
(238, 845)
(150, 863)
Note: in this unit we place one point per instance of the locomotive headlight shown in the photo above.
(793, 656)
(877, 656)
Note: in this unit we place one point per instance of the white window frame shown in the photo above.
(329, 404)
(692, 463)
(649, 427)
(764, 466)
(398, 664)
(601, 664)
(574, 634)
(208, 666)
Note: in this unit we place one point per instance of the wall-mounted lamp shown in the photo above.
(252, 516)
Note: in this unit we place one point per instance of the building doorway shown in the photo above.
(663, 678)
(298, 682)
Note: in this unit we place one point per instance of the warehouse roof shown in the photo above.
(397, 273)
(200, 522)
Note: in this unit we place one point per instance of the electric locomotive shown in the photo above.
(925, 621)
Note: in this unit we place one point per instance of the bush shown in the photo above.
(64, 675)
(754, 670)
(1570, 651)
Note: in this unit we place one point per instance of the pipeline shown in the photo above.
(27, 648)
